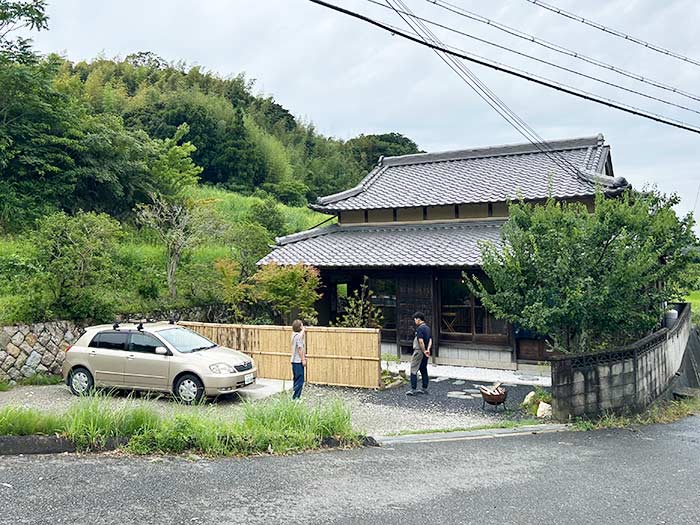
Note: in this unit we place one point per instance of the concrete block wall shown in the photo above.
(628, 379)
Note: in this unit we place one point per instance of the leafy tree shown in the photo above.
(366, 149)
(180, 224)
(75, 257)
(266, 212)
(250, 242)
(179, 221)
(588, 280)
(360, 310)
(39, 134)
(114, 168)
(18, 15)
(290, 291)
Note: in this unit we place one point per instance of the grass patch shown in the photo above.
(40, 380)
(35, 380)
(489, 426)
(659, 413)
(16, 421)
(277, 426)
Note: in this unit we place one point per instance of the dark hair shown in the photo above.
(419, 315)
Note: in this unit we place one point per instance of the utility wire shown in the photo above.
(542, 61)
(557, 48)
(614, 32)
(509, 71)
(548, 81)
(487, 95)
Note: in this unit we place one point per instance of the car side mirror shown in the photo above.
(161, 350)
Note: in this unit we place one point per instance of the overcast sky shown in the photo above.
(350, 78)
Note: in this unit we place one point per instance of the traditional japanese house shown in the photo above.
(413, 225)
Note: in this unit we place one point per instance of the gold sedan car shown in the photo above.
(162, 357)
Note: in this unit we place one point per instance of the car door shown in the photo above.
(106, 355)
(144, 368)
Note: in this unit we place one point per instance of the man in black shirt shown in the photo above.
(422, 344)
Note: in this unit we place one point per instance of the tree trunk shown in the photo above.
(173, 259)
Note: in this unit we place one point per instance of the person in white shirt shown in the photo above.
(298, 357)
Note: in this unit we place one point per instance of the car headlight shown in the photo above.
(221, 368)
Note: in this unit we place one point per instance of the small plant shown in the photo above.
(360, 310)
(4, 386)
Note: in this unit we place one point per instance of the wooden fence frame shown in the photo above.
(349, 357)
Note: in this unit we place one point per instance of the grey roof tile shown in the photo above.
(453, 243)
(481, 175)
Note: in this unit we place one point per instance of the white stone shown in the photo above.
(457, 394)
(17, 338)
(544, 410)
(528, 398)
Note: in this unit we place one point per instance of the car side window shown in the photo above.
(110, 340)
(144, 343)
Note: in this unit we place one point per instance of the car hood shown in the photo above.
(220, 354)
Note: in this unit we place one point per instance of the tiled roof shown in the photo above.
(570, 168)
(451, 243)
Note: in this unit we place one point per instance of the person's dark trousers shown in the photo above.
(423, 374)
(298, 374)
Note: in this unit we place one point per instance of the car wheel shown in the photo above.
(80, 381)
(189, 389)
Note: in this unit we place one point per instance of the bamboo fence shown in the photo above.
(336, 356)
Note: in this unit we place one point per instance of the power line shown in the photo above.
(614, 32)
(510, 71)
(487, 95)
(542, 61)
(559, 49)
(546, 81)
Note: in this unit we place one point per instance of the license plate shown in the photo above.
(249, 378)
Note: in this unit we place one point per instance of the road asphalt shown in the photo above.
(649, 475)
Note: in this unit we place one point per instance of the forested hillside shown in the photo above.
(82, 136)
(122, 178)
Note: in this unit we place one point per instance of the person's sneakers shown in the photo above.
(423, 391)
(411, 392)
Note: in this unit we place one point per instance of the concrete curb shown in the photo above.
(472, 434)
(26, 445)
(16, 445)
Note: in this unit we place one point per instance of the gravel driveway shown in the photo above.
(452, 403)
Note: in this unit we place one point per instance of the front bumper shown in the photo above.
(218, 384)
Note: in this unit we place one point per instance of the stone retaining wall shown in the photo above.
(26, 350)
(628, 379)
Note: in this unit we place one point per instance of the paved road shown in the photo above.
(648, 476)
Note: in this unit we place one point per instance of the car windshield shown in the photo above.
(185, 340)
